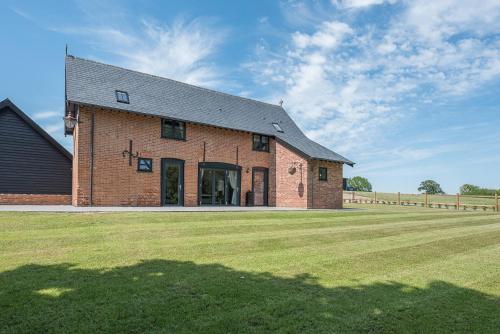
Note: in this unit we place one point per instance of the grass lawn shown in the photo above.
(376, 270)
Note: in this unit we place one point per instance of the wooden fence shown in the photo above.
(456, 202)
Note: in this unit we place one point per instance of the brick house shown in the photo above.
(143, 140)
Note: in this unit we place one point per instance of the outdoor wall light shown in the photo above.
(70, 121)
(293, 168)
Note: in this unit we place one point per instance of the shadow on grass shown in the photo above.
(183, 297)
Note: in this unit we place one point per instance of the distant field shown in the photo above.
(452, 199)
(376, 269)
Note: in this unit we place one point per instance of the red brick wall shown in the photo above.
(117, 183)
(291, 189)
(35, 199)
(325, 194)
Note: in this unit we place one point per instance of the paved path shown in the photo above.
(69, 208)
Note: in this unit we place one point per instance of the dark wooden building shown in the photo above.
(31, 161)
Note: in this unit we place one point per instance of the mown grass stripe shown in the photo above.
(382, 270)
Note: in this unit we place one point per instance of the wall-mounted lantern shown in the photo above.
(293, 168)
(70, 122)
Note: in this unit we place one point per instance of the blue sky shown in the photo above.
(409, 90)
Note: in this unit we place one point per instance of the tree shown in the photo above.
(359, 183)
(430, 187)
(469, 189)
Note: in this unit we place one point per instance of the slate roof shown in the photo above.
(93, 83)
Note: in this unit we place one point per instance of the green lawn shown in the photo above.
(376, 270)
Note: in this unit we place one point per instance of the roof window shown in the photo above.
(278, 127)
(122, 97)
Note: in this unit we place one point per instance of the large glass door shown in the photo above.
(206, 181)
(172, 181)
(219, 187)
(219, 184)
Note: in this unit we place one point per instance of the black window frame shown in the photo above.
(119, 97)
(150, 170)
(259, 147)
(325, 178)
(163, 135)
(221, 166)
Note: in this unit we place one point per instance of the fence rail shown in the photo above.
(457, 202)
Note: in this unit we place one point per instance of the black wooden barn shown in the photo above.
(31, 161)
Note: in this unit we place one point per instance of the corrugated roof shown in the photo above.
(93, 83)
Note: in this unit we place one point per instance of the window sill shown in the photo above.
(176, 139)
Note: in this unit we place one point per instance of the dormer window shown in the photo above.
(122, 97)
(278, 127)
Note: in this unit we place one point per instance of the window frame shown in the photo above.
(258, 147)
(163, 120)
(278, 127)
(150, 170)
(325, 169)
(119, 99)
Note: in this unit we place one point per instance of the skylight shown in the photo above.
(278, 127)
(122, 97)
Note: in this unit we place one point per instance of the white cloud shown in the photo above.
(177, 51)
(435, 20)
(47, 114)
(345, 82)
(386, 47)
(360, 3)
(181, 50)
(329, 35)
(22, 13)
(304, 13)
(54, 128)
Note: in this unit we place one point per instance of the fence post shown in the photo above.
(376, 198)
(426, 200)
(399, 198)
(458, 201)
(352, 196)
(496, 202)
